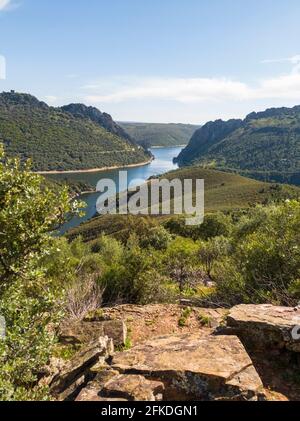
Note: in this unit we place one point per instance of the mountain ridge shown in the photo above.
(265, 145)
(74, 137)
(160, 134)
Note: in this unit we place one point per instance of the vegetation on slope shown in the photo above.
(224, 192)
(265, 145)
(243, 256)
(55, 139)
(155, 134)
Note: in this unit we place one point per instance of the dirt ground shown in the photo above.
(146, 322)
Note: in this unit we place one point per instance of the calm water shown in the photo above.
(163, 163)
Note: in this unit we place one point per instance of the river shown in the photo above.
(162, 163)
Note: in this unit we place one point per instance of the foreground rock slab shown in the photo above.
(194, 367)
(73, 375)
(266, 326)
(133, 387)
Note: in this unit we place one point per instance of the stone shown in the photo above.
(67, 381)
(84, 332)
(110, 385)
(117, 330)
(133, 388)
(266, 326)
(92, 390)
(195, 367)
(49, 372)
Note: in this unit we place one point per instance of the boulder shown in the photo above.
(84, 332)
(92, 390)
(266, 326)
(194, 367)
(133, 388)
(110, 385)
(75, 373)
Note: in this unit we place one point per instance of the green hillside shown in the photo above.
(55, 139)
(155, 135)
(224, 192)
(265, 145)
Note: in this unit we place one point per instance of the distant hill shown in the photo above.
(73, 137)
(223, 192)
(102, 119)
(265, 145)
(155, 134)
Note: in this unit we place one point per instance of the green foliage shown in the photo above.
(157, 237)
(205, 320)
(212, 250)
(154, 135)
(110, 249)
(180, 261)
(250, 255)
(214, 225)
(264, 265)
(225, 195)
(264, 146)
(28, 213)
(56, 140)
(133, 279)
(185, 314)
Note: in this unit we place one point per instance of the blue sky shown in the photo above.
(157, 61)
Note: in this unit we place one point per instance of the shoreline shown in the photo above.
(92, 170)
(168, 147)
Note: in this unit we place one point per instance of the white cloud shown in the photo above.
(176, 89)
(284, 87)
(51, 99)
(199, 99)
(4, 4)
(193, 90)
(293, 60)
(9, 5)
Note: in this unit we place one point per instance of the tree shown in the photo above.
(214, 225)
(29, 212)
(269, 257)
(212, 250)
(180, 261)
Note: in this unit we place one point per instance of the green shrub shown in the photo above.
(28, 297)
(264, 265)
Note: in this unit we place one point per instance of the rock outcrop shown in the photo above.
(200, 363)
(76, 372)
(85, 331)
(265, 326)
(195, 367)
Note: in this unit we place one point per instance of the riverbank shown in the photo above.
(93, 170)
(162, 163)
(164, 147)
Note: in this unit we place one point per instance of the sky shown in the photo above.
(181, 61)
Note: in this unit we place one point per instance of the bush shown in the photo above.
(265, 258)
(28, 213)
(157, 238)
(214, 225)
(136, 278)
